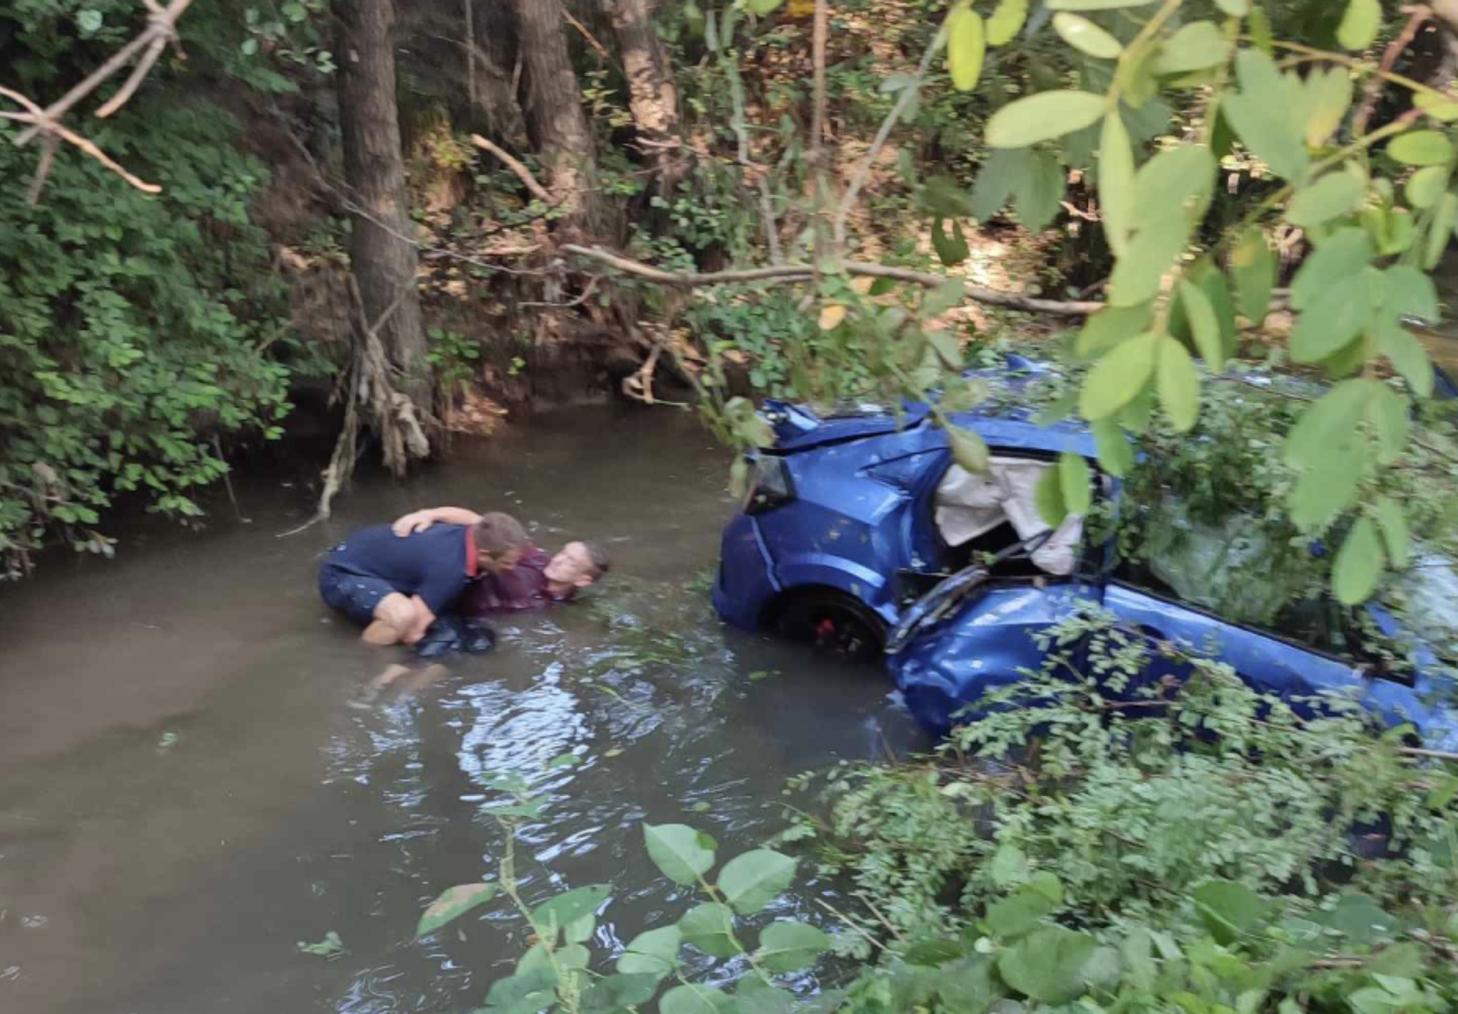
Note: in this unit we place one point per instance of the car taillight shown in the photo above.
(770, 484)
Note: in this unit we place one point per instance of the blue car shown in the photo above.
(860, 535)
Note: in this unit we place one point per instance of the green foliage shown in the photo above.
(1143, 845)
(129, 331)
(130, 326)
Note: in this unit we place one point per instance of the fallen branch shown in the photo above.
(804, 272)
(520, 171)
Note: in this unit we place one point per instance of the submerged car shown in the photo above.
(861, 535)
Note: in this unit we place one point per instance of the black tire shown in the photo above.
(836, 624)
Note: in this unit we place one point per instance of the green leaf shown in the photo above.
(1172, 194)
(654, 952)
(1116, 179)
(1441, 230)
(1411, 292)
(524, 993)
(294, 11)
(1422, 148)
(1442, 109)
(1328, 96)
(1042, 117)
(762, 7)
(1048, 498)
(1442, 793)
(1408, 357)
(681, 852)
(1263, 117)
(1204, 327)
(1390, 414)
(613, 993)
(1039, 193)
(942, 197)
(751, 881)
(567, 908)
(1324, 491)
(791, 946)
(1006, 21)
(1360, 23)
(1253, 268)
(1235, 8)
(1328, 424)
(1334, 320)
(1111, 326)
(1196, 46)
(1018, 915)
(997, 180)
(1009, 867)
(1118, 377)
(1086, 37)
(1115, 455)
(1427, 185)
(1394, 531)
(692, 998)
(968, 449)
(952, 292)
(1048, 965)
(1094, 5)
(1340, 256)
(1228, 909)
(1179, 385)
(1332, 196)
(580, 931)
(249, 47)
(89, 21)
(1358, 564)
(452, 904)
(1076, 482)
(707, 927)
(966, 47)
(951, 249)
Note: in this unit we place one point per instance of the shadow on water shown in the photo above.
(196, 774)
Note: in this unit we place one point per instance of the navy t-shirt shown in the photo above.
(431, 564)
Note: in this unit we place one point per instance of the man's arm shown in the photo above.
(419, 521)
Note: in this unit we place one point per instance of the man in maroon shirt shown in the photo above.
(536, 580)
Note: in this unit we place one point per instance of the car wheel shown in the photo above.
(836, 624)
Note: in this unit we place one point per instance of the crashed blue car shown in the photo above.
(860, 535)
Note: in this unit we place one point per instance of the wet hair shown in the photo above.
(497, 534)
(601, 562)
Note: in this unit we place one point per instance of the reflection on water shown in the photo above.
(199, 768)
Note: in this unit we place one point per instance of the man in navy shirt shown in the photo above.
(395, 588)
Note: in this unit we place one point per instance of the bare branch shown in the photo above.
(520, 171)
(1419, 16)
(789, 273)
(161, 29)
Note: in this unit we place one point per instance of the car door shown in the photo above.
(1264, 659)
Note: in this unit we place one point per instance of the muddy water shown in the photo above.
(193, 779)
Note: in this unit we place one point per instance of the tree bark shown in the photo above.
(555, 121)
(382, 252)
(652, 95)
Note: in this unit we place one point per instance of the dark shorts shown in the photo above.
(354, 595)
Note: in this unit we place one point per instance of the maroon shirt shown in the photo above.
(522, 587)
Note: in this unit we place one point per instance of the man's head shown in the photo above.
(500, 541)
(577, 565)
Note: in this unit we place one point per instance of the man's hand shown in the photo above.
(419, 521)
(416, 521)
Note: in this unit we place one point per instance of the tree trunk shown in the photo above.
(555, 121)
(381, 251)
(652, 96)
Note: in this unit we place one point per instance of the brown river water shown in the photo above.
(193, 779)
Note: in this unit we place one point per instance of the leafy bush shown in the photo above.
(129, 326)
